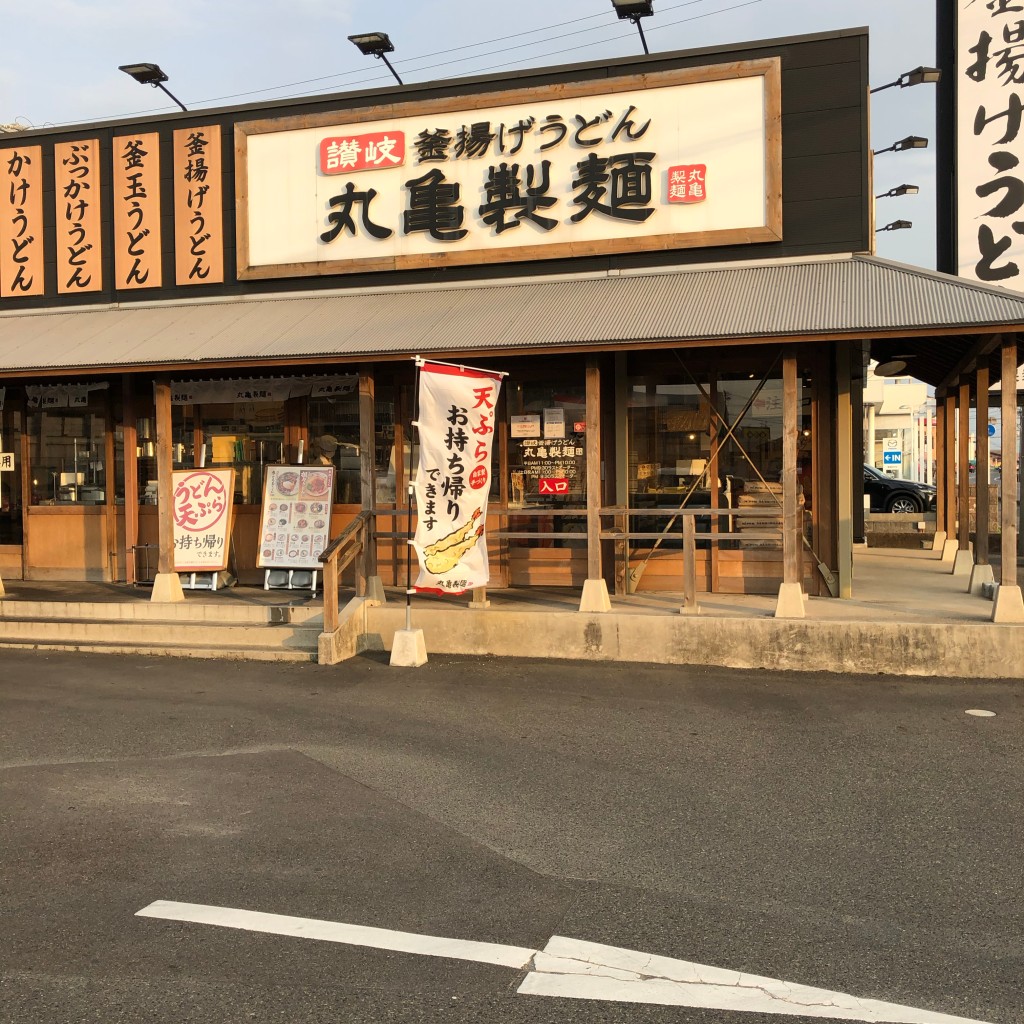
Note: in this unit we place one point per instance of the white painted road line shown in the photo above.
(575, 969)
(351, 934)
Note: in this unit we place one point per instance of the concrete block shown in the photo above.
(167, 588)
(595, 597)
(1008, 606)
(939, 541)
(949, 549)
(981, 575)
(408, 649)
(791, 602)
(375, 590)
(963, 563)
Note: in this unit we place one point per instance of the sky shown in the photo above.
(64, 66)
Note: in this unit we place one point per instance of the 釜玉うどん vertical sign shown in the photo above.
(671, 159)
(989, 88)
(136, 192)
(456, 430)
(202, 501)
(21, 222)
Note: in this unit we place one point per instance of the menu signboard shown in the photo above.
(296, 523)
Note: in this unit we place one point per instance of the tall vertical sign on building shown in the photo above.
(981, 158)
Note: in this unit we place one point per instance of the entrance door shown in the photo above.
(11, 525)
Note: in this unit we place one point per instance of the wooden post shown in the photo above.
(368, 467)
(1009, 606)
(847, 471)
(949, 465)
(689, 565)
(167, 585)
(595, 591)
(981, 502)
(790, 604)
(963, 490)
(593, 470)
(1008, 476)
(131, 476)
(940, 474)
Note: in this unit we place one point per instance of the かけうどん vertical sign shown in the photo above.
(456, 427)
(202, 502)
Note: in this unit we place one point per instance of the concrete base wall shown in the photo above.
(969, 651)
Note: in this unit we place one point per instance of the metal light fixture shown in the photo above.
(150, 74)
(900, 190)
(910, 142)
(890, 368)
(634, 10)
(897, 225)
(376, 44)
(916, 77)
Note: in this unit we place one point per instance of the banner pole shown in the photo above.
(409, 490)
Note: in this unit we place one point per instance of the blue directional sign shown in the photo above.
(991, 430)
(892, 458)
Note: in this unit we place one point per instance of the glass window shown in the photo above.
(334, 441)
(67, 453)
(245, 436)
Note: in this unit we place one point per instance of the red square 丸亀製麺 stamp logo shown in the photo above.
(687, 183)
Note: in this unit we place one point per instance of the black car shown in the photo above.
(887, 494)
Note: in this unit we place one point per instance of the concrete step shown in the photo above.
(223, 652)
(167, 633)
(220, 612)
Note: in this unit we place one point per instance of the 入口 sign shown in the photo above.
(672, 159)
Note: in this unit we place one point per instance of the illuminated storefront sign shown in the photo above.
(669, 160)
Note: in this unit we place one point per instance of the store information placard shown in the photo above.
(296, 523)
(202, 502)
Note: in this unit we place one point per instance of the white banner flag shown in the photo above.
(456, 426)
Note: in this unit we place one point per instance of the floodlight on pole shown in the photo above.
(634, 10)
(897, 225)
(375, 44)
(900, 190)
(918, 76)
(910, 142)
(150, 74)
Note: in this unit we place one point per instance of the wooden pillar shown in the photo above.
(167, 585)
(846, 472)
(790, 604)
(963, 490)
(981, 502)
(949, 464)
(368, 463)
(1008, 605)
(940, 474)
(131, 476)
(595, 590)
(593, 469)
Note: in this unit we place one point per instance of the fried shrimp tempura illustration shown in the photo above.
(444, 554)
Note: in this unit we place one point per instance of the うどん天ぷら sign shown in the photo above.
(668, 160)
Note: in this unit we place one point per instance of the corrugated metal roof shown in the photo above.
(856, 295)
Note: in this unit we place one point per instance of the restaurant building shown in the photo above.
(672, 258)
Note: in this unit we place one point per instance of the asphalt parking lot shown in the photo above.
(857, 835)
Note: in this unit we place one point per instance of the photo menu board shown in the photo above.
(296, 523)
